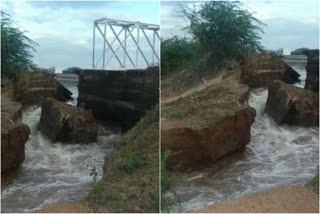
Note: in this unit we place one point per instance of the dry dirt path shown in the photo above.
(279, 200)
(81, 207)
(192, 90)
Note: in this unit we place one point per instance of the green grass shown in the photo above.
(169, 180)
(114, 195)
(131, 161)
(180, 113)
(131, 173)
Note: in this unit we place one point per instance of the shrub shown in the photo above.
(176, 53)
(225, 30)
(16, 49)
(169, 197)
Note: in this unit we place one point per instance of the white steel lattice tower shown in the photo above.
(122, 38)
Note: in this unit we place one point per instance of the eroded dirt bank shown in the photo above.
(279, 200)
(276, 157)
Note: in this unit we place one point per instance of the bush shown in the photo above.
(169, 197)
(176, 53)
(224, 30)
(300, 51)
(16, 49)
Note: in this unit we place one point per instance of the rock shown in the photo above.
(263, 68)
(292, 105)
(120, 97)
(34, 87)
(14, 134)
(312, 68)
(66, 123)
(207, 125)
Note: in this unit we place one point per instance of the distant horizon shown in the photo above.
(63, 29)
(290, 24)
(65, 41)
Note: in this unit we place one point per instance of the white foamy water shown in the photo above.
(54, 173)
(275, 156)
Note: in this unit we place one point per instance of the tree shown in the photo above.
(16, 49)
(225, 30)
(176, 52)
(300, 51)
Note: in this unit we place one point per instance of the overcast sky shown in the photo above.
(290, 24)
(63, 30)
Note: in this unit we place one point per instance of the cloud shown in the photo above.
(63, 29)
(81, 42)
(289, 24)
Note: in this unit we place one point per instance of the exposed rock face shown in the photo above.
(14, 134)
(205, 126)
(119, 96)
(263, 68)
(292, 105)
(312, 68)
(34, 87)
(66, 123)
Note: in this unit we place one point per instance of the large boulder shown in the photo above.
(14, 134)
(120, 97)
(205, 126)
(312, 68)
(66, 123)
(263, 68)
(34, 87)
(292, 105)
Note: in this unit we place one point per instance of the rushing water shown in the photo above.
(277, 155)
(54, 173)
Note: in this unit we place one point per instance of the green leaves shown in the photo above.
(176, 52)
(16, 49)
(225, 30)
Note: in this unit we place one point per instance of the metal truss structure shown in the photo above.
(127, 28)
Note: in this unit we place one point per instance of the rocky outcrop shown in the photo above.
(207, 125)
(292, 105)
(263, 68)
(312, 68)
(119, 96)
(34, 87)
(66, 123)
(14, 134)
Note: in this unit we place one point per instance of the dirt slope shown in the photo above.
(279, 200)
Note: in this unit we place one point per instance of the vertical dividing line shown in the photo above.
(93, 43)
(104, 45)
(159, 43)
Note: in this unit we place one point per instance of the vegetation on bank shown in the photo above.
(300, 51)
(131, 173)
(222, 35)
(176, 52)
(16, 49)
(169, 180)
(220, 31)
